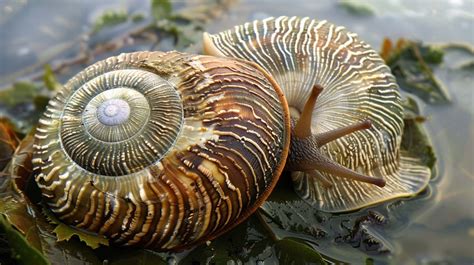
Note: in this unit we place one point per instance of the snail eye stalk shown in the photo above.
(303, 126)
(326, 137)
(306, 156)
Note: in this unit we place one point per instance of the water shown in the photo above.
(439, 226)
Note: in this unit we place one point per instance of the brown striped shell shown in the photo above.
(161, 150)
(300, 53)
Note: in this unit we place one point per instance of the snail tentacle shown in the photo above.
(303, 126)
(305, 156)
(326, 137)
(320, 177)
(313, 159)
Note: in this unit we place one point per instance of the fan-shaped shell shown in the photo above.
(162, 150)
(357, 85)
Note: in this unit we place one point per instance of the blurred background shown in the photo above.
(62, 37)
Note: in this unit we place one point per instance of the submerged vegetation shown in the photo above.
(284, 229)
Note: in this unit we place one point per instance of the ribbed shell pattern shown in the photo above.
(357, 85)
(202, 146)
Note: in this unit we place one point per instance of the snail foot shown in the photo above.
(320, 177)
(326, 165)
(305, 154)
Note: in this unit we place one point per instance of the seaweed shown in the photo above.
(412, 63)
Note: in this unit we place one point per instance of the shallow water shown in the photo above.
(438, 226)
(442, 228)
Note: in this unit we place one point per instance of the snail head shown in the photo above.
(305, 155)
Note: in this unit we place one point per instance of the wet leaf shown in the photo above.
(65, 233)
(37, 231)
(116, 256)
(412, 111)
(70, 252)
(23, 252)
(161, 9)
(109, 18)
(23, 104)
(21, 92)
(357, 8)
(14, 205)
(293, 251)
(8, 143)
(369, 261)
(183, 34)
(412, 64)
(25, 216)
(15, 210)
(415, 140)
(137, 17)
(49, 79)
(247, 243)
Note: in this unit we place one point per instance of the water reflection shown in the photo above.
(438, 226)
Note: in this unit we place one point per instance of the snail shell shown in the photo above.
(162, 150)
(357, 85)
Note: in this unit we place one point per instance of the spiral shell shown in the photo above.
(162, 150)
(301, 52)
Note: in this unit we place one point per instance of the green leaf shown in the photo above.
(415, 139)
(65, 233)
(357, 8)
(49, 79)
(27, 218)
(109, 18)
(23, 104)
(411, 110)
(369, 261)
(137, 17)
(15, 210)
(117, 256)
(70, 252)
(247, 243)
(21, 92)
(293, 251)
(412, 64)
(183, 35)
(161, 9)
(23, 252)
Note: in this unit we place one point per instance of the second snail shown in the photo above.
(169, 150)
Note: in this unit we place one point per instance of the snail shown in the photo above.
(166, 150)
(354, 85)
(161, 150)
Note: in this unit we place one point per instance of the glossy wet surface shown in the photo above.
(437, 226)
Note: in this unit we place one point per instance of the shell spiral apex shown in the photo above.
(161, 150)
(311, 60)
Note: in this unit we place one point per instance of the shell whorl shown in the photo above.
(300, 53)
(120, 122)
(162, 150)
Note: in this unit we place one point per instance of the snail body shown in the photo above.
(161, 150)
(355, 85)
(168, 150)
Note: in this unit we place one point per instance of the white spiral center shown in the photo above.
(113, 112)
